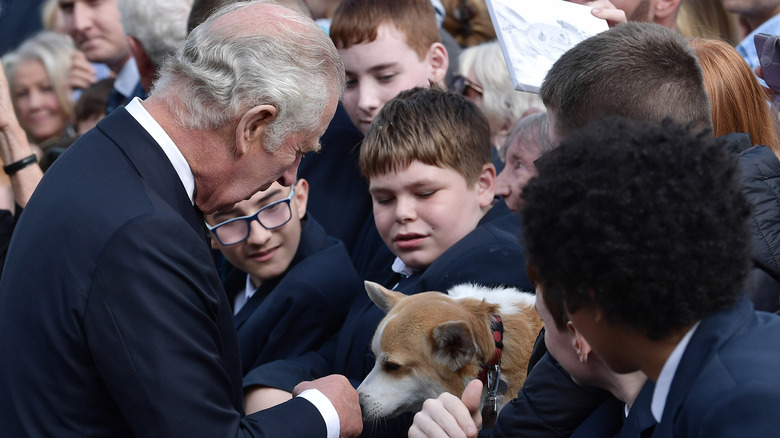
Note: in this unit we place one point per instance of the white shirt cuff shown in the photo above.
(328, 412)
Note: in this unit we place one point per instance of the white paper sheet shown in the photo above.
(534, 33)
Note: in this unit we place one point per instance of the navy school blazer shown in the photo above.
(490, 255)
(302, 309)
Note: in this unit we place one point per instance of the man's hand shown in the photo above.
(450, 416)
(81, 74)
(344, 398)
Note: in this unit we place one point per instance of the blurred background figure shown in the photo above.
(754, 17)
(51, 16)
(740, 109)
(527, 142)
(322, 11)
(151, 39)
(708, 19)
(19, 19)
(739, 103)
(91, 107)
(38, 78)
(468, 21)
(96, 29)
(484, 78)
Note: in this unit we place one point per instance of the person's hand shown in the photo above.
(82, 73)
(14, 146)
(605, 10)
(343, 397)
(450, 416)
(7, 114)
(13, 140)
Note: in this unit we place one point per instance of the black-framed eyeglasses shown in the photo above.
(460, 84)
(272, 216)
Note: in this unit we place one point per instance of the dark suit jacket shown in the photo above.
(640, 421)
(301, 310)
(727, 383)
(489, 255)
(610, 420)
(549, 404)
(113, 321)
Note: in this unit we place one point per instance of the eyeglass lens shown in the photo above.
(271, 216)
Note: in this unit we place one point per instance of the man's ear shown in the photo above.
(147, 69)
(251, 129)
(439, 61)
(579, 343)
(665, 10)
(301, 196)
(486, 185)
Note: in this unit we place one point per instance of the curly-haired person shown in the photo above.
(639, 232)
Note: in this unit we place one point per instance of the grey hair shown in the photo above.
(218, 74)
(502, 104)
(532, 129)
(160, 25)
(54, 51)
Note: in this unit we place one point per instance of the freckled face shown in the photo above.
(377, 71)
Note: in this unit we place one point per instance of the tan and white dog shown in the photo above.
(431, 342)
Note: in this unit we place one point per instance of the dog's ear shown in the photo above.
(384, 298)
(453, 344)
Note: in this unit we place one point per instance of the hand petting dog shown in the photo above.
(450, 416)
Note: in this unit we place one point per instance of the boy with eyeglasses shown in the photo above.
(433, 204)
(290, 284)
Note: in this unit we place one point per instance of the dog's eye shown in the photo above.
(390, 366)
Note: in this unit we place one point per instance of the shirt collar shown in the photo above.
(159, 135)
(400, 267)
(128, 78)
(664, 383)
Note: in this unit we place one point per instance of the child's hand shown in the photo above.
(449, 415)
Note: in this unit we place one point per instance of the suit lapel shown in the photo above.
(711, 334)
(150, 162)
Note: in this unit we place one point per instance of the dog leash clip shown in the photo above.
(493, 398)
(489, 411)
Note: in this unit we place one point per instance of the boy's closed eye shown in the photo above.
(385, 77)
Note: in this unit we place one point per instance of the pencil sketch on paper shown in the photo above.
(534, 34)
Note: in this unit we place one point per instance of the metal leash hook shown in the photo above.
(493, 398)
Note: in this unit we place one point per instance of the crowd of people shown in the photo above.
(197, 190)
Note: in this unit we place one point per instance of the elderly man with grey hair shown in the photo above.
(113, 321)
(154, 30)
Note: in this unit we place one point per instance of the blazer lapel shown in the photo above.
(711, 334)
(151, 163)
